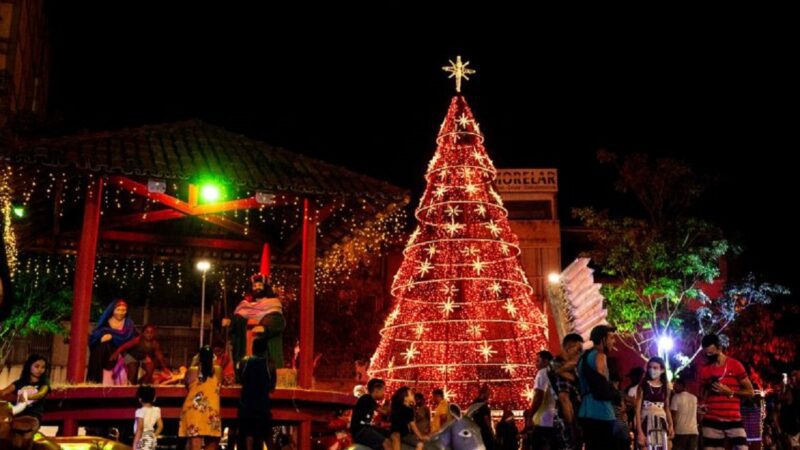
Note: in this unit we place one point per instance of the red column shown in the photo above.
(84, 278)
(265, 260)
(304, 438)
(70, 427)
(307, 298)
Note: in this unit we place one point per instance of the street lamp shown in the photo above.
(665, 345)
(203, 267)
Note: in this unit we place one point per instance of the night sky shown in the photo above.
(371, 96)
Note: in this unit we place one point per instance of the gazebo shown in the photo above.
(184, 187)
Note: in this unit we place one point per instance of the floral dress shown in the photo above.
(200, 415)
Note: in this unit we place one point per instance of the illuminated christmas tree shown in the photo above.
(464, 313)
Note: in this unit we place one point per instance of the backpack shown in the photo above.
(600, 388)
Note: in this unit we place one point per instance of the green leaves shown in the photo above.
(661, 261)
(41, 304)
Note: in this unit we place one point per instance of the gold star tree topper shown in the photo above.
(458, 70)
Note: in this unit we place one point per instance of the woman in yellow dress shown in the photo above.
(200, 422)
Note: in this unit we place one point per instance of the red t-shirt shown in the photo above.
(720, 406)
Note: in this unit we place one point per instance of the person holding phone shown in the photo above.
(724, 384)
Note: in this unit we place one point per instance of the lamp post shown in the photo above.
(665, 345)
(203, 267)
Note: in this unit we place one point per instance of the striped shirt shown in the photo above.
(719, 406)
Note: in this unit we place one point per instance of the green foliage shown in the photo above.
(41, 304)
(662, 262)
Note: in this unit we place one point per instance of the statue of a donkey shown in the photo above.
(461, 433)
(21, 433)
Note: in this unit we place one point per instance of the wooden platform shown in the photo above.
(70, 406)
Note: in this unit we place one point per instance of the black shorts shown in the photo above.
(255, 426)
(370, 437)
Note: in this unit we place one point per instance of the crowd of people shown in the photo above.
(579, 402)
(406, 421)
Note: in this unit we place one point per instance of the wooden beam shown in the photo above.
(147, 238)
(140, 189)
(191, 207)
(182, 209)
(129, 220)
(236, 227)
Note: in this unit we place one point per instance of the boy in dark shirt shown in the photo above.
(361, 423)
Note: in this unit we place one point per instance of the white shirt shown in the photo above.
(547, 411)
(149, 416)
(686, 406)
(632, 390)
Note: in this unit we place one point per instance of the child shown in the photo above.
(653, 417)
(148, 424)
(404, 430)
(31, 387)
(142, 351)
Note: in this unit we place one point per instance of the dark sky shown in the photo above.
(548, 93)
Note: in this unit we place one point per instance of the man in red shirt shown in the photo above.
(724, 384)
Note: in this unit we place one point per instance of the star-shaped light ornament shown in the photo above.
(527, 394)
(486, 351)
(475, 330)
(511, 369)
(463, 120)
(493, 228)
(424, 268)
(453, 211)
(448, 290)
(448, 306)
(510, 308)
(470, 250)
(452, 228)
(410, 353)
(458, 70)
(445, 369)
(478, 266)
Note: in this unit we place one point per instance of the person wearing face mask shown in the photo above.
(724, 384)
(653, 417)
